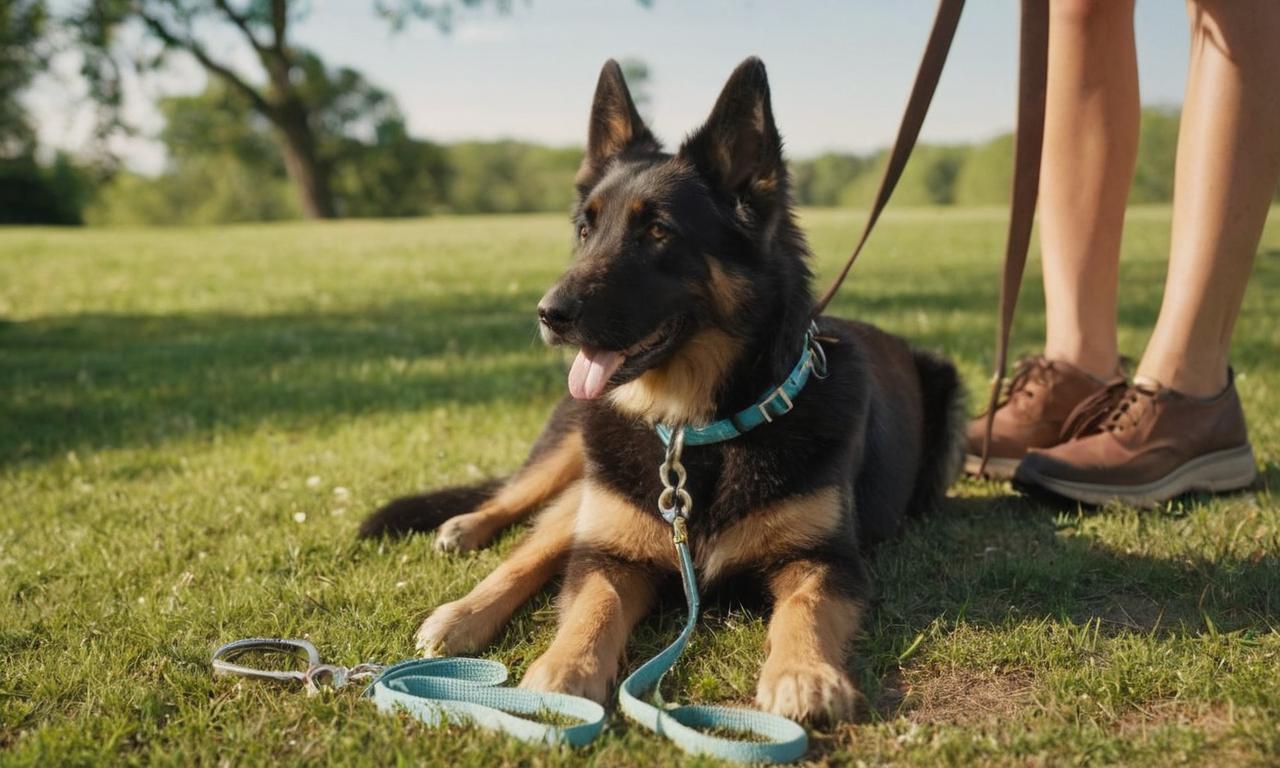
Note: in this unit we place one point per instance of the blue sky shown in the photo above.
(840, 71)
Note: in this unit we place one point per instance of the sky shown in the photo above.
(839, 70)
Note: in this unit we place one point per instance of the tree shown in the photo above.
(225, 164)
(306, 105)
(30, 193)
(22, 26)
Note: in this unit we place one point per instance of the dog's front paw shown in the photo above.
(577, 676)
(450, 629)
(464, 533)
(813, 691)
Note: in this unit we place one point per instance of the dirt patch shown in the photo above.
(955, 696)
(1212, 720)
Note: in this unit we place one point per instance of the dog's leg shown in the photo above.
(547, 473)
(602, 600)
(814, 621)
(469, 624)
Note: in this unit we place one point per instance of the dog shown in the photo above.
(689, 295)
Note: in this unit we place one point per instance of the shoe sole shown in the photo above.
(997, 469)
(1219, 472)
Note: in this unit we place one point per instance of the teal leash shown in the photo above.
(436, 691)
(464, 691)
(777, 739)
(458, 690)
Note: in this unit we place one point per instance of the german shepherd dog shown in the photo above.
(688, 296)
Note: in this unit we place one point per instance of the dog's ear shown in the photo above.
(615, 126)
(739, 147)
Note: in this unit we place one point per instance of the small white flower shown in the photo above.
(401, 584)
(337, 511)
(340, 493)
(313, 482)
(299, 517)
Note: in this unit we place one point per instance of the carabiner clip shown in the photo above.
(222, 664)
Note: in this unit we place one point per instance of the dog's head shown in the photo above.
(673, 252)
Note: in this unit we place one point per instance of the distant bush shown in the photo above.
(987, 173)
(31, 193)
(928, 179)
(822, 180)
(510, 176)
(978, 174)
(207, 191)
(225, 168)
(1157, 146)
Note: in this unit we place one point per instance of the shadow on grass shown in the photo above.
(104, 380)
(1008, 561)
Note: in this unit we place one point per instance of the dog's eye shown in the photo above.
(657, 232)
(582, 233)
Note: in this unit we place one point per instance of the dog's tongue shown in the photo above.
(591, 371)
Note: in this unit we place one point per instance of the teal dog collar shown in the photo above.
(775, 402)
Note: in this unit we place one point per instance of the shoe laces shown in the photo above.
(1028, 370)
(1114, 408)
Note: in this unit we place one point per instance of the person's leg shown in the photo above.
(1185, 431)
(1090, 147)
(1227, 167)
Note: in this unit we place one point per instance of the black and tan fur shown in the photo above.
(698, 254)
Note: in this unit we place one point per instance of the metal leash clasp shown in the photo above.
(818, 356)
(316, 674)
(675, 503)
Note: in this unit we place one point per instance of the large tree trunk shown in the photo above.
(308, 173)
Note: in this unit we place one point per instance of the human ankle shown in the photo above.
(1192, 379)
(1100, 364)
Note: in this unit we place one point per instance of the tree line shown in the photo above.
(225, 166)
(293, 137)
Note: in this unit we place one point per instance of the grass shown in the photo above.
(192, 422)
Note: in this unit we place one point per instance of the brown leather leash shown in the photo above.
(1033, 66)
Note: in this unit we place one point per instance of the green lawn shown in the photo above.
(192, 423)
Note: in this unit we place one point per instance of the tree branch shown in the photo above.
(279, 22)
(174, 40)
(241, 23)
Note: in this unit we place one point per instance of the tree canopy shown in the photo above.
(313, 112)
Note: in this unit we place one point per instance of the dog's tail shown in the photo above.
(426, 511)
(944, 424)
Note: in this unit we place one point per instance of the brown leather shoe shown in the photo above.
(1040, 396)
(1144, 444)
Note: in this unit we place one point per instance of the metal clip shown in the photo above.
(679, 531)
(817, 355)
(674, 502)
(222, 664)
(315, 675)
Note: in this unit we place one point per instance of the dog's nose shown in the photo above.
(558, 312)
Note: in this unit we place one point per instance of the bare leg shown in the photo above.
(1090, 147)
(470, 623)
(1228, 162)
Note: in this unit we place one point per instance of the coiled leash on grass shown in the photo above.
(461, 690)
(435, 691)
